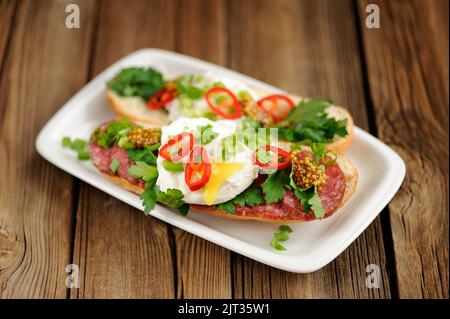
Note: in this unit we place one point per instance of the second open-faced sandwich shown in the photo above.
(144, 96)
(228, 168)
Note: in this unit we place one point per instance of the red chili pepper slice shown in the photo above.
(177, 147)
(223, 102)
(278, 106)
(160, 98)
(274, 163)
(198, 169)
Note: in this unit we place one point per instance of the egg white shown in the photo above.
(233, 186)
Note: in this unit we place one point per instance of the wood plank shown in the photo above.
(121, 252)
(201, 33)
(407, 65)
(46, 64)
(7, 10)
(303, 48)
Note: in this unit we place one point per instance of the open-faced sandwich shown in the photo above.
(228, 168)
(145, 97)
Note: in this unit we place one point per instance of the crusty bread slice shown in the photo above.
(350, 175)
(122, 182)
(135, 109)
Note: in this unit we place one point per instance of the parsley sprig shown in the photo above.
(250, 197)
(152, 194)
(133, 81)
(309, 122)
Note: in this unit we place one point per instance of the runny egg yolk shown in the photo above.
(220, 172)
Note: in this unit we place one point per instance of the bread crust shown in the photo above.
(153, 118)
(350, 175)
(124, 184)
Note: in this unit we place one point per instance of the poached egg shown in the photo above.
(229, 176)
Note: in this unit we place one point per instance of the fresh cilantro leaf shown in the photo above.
(149, 196)
(228, 207)
(316, 205)
(280, 236)
(114, 165)
(142, 155)
(143, 171)
(171, 197)
(250, 197)
(307, 111)
(135, 81)
(183, 209)
(78, 145)
(274, 186)
(308, 121)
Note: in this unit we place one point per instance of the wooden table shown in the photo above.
(393, 79)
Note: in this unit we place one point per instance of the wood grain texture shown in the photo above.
(7, 11)
(121, 252)
(407, 65)
(35, 197)
(203, 268)
(301, 46)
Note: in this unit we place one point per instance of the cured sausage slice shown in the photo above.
(290, 208)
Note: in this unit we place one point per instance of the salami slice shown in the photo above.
(100, 157)
(118, 153)
(290, 208)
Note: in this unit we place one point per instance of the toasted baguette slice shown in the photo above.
(135, 109)
(350, 175)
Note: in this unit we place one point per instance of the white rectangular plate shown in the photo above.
(311, 246)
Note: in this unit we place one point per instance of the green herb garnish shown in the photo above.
(78, 145)
(143, 171)
(274, 186)
(113, 133)
(135, 81)
(250, 197)
(281, 235)
(309, 121)
(142, 155)
(172, 166)
(114, 165)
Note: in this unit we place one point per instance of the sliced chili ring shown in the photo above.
(161, 98)
(278, 106)
(274, 163)
(177, 147)
(223, 102)
(198, 169)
